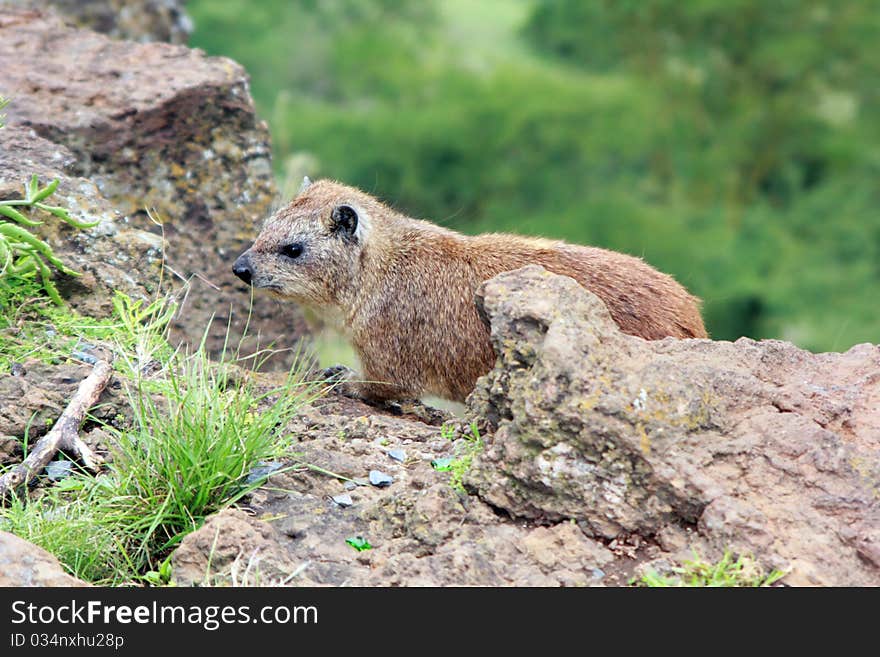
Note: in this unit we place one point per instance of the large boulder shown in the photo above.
(130, 126)
(24, 564)
(760, 447)
(134, 20)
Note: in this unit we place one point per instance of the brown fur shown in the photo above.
(402, 290)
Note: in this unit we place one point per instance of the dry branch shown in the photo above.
(64, 435)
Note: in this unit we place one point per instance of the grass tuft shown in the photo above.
(198, 428)
(742, 572)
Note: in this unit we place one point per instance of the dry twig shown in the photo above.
(64, 435)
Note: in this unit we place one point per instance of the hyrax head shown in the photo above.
(310, 250)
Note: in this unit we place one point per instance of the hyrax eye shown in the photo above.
(291, 250)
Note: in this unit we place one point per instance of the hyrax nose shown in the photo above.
(242, 268)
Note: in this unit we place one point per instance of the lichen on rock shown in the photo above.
(134, 126)
(760, 446)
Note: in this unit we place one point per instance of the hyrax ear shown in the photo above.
(344, 222)
(306, 183)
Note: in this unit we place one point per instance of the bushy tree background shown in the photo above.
(732, 143)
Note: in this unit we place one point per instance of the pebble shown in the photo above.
(397, 454)
(263, 470)
(380, 479)
(84, 357)
(343, 500)
(58, 470)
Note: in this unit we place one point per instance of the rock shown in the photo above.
(343, 500)
(397, 455)
(262, 471)
(10, 450)
(234, 548)
(24, 564)
(763, 447)
(58, 470)
(135, 20)
(107, 255)
(380, 479)
(422, 531)
(129, 126)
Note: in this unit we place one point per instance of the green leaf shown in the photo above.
(359, 543)
(15, 215)
(48, 285)
(48, 190)
(31, 187)
(62, 213)
(442, 464)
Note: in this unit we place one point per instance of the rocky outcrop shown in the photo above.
(759, 447)
(133, 20)
(131, 126)
(24, 564)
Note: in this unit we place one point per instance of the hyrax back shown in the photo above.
(402, 290)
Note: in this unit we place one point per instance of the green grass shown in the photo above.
(742, 572)
(31, 327)
(195, 430)
(189, 453)
(69, 522)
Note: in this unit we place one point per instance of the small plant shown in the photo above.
(743, 572)
(142, 332)
(471, 446)
(443, 464)
(3, 103)
(162, 576)
(22, 254)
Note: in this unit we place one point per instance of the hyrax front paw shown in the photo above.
(335, 374)
(340, 379)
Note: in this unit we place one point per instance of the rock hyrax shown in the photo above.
(402, 290)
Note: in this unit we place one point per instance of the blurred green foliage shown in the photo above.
(732, 143)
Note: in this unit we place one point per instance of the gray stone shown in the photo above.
(58, 470)
(343, 500)
(397, 454)
(380, 479)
